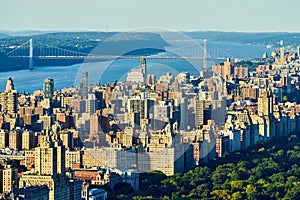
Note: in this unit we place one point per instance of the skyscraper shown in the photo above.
(225, 70)
(9, 85)
(139, 109)
(265, 103)
(138, 75)
(9, 179)
(9, 98)
(202, 112)
(48, 88)
(143, 66)
(50, 156)
(4, 138)
(282, 57)
(90, 104)
(83, 90)
(49, 167)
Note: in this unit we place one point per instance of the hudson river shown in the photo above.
(109, 71)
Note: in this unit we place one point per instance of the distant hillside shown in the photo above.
(3, 35)
(87, 41)
(25, 32)
(252, 38)
(112, 43)
(121, 43)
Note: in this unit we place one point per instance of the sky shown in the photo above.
(127, 15)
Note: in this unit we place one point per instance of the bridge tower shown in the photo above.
(30, 54)
(204, 55)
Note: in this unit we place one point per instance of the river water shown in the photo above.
(109, 71)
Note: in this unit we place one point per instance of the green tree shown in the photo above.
(123, 188)
(221, 194)
(251, 192)
(237, 196)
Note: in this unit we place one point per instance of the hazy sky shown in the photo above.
(226, 15)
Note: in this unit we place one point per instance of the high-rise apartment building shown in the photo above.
(9, 178)
(138, 75)
(265, 103)
(282, 56)
(250, 93)
(15, 140)
(139, 109)
(94, 124)
(48, 88)
(240, 72)
(202, 111)
(83, 89)
(3, 138)
(49, 167)
(225, 71)
(90, 104)
(143, 66)
(9, 98)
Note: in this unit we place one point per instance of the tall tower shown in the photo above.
(9, 98)
(90, 104)
(139, 108)
(86, 77)
(48, 88)
(204, 55)
(84, 85)
(282, 57)
(9, 85)
(30, 54)
(50, 155)
(49, 167)
(46, 157)
(143, 68)
(265, 103)
(143, 65)
(200, 106)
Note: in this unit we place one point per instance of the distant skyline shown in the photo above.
(126, 15)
